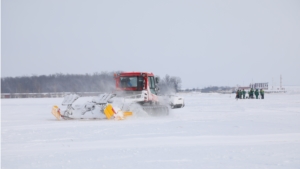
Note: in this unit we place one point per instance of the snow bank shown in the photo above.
(211, 131)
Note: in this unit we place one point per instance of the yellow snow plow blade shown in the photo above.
(56, 112)
(127, 113)
(108, 111)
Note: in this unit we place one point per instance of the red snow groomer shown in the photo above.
(131, 88)
(141, 88)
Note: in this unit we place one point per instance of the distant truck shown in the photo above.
(175, 101)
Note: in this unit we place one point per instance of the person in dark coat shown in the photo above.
(262, 93)
(240, 94)
(251, 93)
(244, 93)
(237, 94)
(256, 93)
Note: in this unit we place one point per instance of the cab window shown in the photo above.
(132, 82)
(151, 84)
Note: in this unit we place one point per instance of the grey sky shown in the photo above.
(203, 42)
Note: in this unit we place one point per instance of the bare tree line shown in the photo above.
(58, 83)
(97, 82)
(169, 84)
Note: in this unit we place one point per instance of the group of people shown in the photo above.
(241, 94)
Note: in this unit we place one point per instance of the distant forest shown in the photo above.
(215, 89)
(97, 82)
(211, 89)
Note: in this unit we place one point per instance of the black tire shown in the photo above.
(172, 106)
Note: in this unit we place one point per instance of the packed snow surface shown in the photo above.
(211, 131)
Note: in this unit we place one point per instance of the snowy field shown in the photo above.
(212, 131)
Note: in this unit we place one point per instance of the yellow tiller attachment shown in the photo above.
(108, 111)
(127, 113)
(56, 112)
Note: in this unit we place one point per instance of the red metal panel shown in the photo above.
(135, 73)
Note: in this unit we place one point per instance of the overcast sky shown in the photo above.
(202, 42)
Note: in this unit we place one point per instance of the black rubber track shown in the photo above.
(156, 110)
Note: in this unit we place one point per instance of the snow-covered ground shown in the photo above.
(212, 131)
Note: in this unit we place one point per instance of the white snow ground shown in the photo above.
(212, 131)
